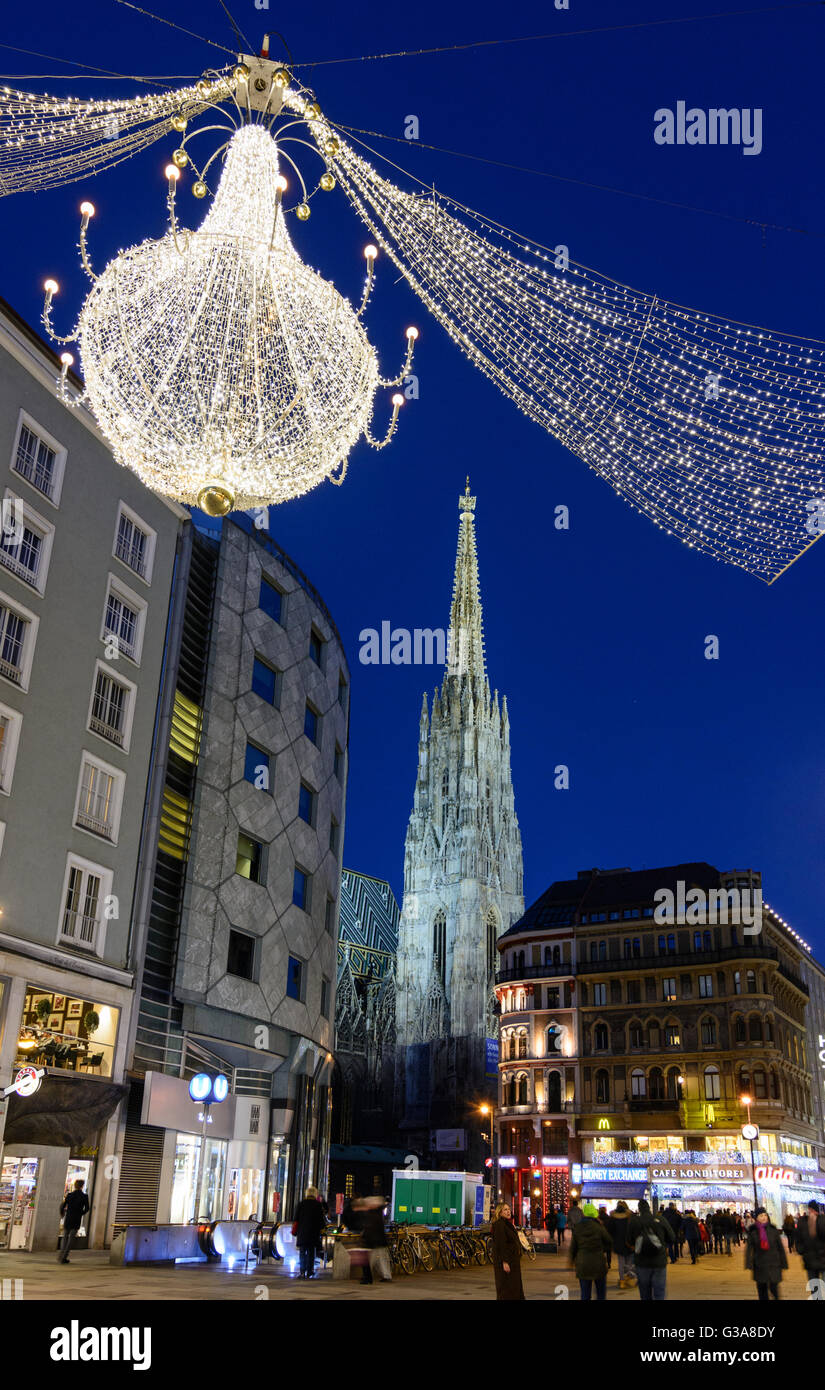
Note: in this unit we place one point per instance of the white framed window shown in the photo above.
(83, 904)
(134, 543)
(25, 541)
(99, 798)
(10, 724)
(124, 616)
(39, 458)
(18, 632)
(112, 706)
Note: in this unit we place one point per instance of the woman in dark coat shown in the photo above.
(590, 1250)
(309, 1223)
(765, 1255)
(506, 1255)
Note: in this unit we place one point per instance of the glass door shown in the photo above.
(25, 1197)
(8, 1189)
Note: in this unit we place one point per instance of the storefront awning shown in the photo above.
(632, 1190)
(67, 1110)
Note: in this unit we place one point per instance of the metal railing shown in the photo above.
(34, 472)
(132, 555)
(99, 726)
(29, 576)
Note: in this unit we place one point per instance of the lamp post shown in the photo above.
(206, 1089)
(487, 1111)
(751, 1132)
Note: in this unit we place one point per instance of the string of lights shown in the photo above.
(711, 428)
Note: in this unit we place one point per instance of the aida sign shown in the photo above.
(765, 1174)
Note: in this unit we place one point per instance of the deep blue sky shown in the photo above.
(596, 634)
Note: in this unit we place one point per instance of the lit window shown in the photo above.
(248, 858)
(669, 989)
(672, 1036)
(98, 803)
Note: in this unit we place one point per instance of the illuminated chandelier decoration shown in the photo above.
(711, 428)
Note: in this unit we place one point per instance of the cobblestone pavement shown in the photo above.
(90, 1277)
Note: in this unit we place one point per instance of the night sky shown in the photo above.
(596, 634)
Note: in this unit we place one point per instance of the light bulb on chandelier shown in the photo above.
(222, 369)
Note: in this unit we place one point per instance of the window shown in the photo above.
(602, 1087)
(614, 916)
(669, 989)
(325, 997)
(760, 1084)
(10, 722)
(316, 648)
(636, 1035)
(600, 1039)
(739, 1030)
(440, 946)
(662, 946)
(754, 1028)
(264, 680)
(270, 599)
(637, 946)
(342, 692)
(653, 1036)
(123, 622)
(39, 459)
(256, 767)
(647, 911)
(241, 955)
(672, 1035)
(25, 542)
(634, 992)
(110, 715)
(712, 1084)
(705, 986)
(295, 978)
(708, 1032)
(627, 948)
(737, 982)
(334, 829)
(134, 543)
(594, 950)
(751, 981)
(306, 804)
(552, 997)
(554, 1091)
(249, 858)
(337, 762)
(300, 889)
(638, 1084)
(602, 950)
(99, 798)
(657, 1084)
(329, 915)
(768, 1030)
(86, 887)
(311, 724)
(557, 955)
(18, 632)
(599, 994)
(671, 944)
(706, 941)
(697, 941)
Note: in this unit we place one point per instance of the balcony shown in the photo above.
(664, 960)
(109, 731)
(11, 671)
(536, 972)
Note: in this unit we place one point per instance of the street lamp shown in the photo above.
(751, 1132)
(487, 1110)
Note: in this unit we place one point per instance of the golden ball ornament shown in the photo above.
(241, 72)
(216, 498)
(199, 189)
(333, 145)
(180, 158)
(179, 123)
(312, 111)
(282, 78)
(302, 211)
(327, 182)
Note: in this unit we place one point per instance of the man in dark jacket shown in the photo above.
(374, 1233)
(73, 1209)
(673, 1217)
(618, 1225)
(650, 1236)
(309, 1223)
(690, 1227)
(810, 1241)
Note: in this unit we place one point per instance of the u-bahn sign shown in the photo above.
(26, 1082)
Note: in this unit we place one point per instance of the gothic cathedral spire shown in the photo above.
(462, 865)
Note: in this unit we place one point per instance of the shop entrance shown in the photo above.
(18, 1200)
(245, 1191)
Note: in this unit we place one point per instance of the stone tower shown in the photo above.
(462, 879)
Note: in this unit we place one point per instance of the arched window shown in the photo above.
(760, 1084)
(637, 946)
(751, 982)
(674, 1089)
(522, 1089)
(754, 1028)
(627, 948)
(653, 1034)
(636, 1036)
(519, 960)
(557, 955)
(768, 1030)
(594, 950)
(638, 1084)
(492, 937)
(739, 1032)
(602, 1087)
(662, 946)
(708, 1032)
(553, 1040)
(707, 940)
(510, 1091)
(445, 796)
(521, 999)
(657, 1084)
(713, 1090)
(774, 1086)
(744, 1082)
(548, 955)
(522, 1043)
(734, 937)
(554, 1091)
(440, 946)
(600, 1037)
(602, 950)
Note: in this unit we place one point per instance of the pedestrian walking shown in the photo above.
(810, 1241)
(716, 1225)
(789, 1231)
(73, 1209)
(561, 1225)
(728, 1227)
(673, 1217)
(506, 1255)
(618, 1225)
(591, 1249)
(306, 1228)
(765, 1255)
(690, 1226)
(374, 1234)
(574, 1214)
(649, 1236)
(704, 1237)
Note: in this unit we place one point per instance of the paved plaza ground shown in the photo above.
(90, 1277)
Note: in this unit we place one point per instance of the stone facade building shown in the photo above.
(462, 879)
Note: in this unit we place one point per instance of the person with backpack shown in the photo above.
(765, 1255)
(649, 1237)
(590, 1250)
(561, 1225)
(810, 1241)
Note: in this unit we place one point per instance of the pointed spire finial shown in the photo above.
(465, 642)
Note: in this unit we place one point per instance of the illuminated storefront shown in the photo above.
(532, 1185)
